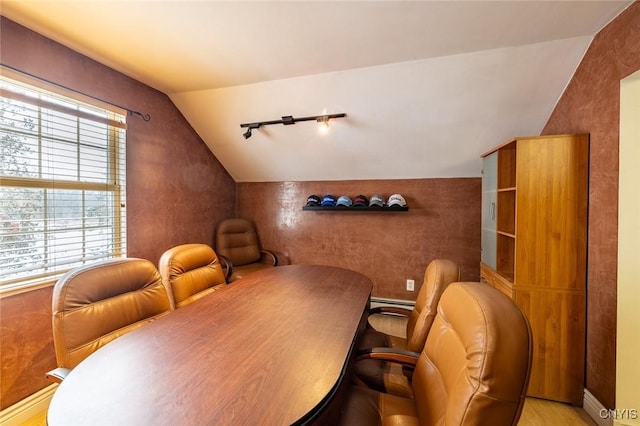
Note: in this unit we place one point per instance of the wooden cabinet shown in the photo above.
(534, 250)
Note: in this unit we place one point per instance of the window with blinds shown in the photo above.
(62, 183)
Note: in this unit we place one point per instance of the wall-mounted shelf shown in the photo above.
(355, 209)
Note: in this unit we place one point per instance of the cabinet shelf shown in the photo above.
(507, 166)
(506, 234)
(355, 209)
(506, 214)
(513, 188)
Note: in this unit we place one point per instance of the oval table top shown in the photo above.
(270, 348)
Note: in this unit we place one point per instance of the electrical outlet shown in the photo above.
(410, 285)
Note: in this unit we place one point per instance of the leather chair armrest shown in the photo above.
(389, 354)
(58, 374)
(268, 257)
(390, 310)
(227, 265)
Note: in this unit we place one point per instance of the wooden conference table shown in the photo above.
(269, 349)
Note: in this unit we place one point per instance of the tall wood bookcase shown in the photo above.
(534, 249)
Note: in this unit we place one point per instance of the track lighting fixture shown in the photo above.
(247, 134)
(288, 119)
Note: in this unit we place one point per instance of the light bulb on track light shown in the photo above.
(323, 124)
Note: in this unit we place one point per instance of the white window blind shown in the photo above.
(62, 183)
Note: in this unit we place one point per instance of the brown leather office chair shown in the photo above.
(190, 271)
(474, 368)
(94, 304)
(237, 244)
(392, 377)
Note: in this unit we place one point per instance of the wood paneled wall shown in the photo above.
(176, 192)
(591, 104)
(443, 221)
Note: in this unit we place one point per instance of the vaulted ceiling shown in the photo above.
(427, 85)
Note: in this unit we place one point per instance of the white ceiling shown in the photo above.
(427, 85)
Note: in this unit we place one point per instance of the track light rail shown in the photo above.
(287, 120)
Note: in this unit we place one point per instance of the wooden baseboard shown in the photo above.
(595, 410)
(27, 408)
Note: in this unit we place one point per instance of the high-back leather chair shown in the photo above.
(237, 244)
(190, 271)
(391, 377)
(474, 368)
(94, 304)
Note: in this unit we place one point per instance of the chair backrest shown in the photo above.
(237, 239)
(94, 304)
(475, 366)
(190, 271)
(438, 275)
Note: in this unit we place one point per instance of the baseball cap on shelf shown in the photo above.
(396, 200)
(329, 200)
(376, 200)
(344, 201)
(313, 201)
(360, 201)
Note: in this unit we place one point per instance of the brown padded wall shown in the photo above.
(591, 104)
(443, 222)
(178, 192)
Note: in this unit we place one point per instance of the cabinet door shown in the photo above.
(557, 321)
(552, 199)
(489, 200)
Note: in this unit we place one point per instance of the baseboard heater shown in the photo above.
(395, 303)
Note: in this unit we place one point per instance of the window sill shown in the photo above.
(27, 286)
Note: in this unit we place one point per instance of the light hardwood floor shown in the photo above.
(537, 412)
